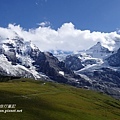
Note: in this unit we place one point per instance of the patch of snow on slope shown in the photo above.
(15, 69)
(61, 72)
(86, 78)
(5, 47)
(6, 65)
(32, 71)
(25, 60)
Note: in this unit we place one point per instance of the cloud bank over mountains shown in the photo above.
(67, 37)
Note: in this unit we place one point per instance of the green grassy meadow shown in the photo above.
(41, 100)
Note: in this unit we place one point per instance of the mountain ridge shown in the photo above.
(88, 69)
(26, 60)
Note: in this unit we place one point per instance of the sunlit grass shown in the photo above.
(41, 100)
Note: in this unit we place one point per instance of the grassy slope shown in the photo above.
(52, 101)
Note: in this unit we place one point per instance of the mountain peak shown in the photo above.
(98, 43)
(97, 47)
(98, 50)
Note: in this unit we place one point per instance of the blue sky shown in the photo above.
(69, 25)
(94, 15)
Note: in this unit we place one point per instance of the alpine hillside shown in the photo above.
(97, 68)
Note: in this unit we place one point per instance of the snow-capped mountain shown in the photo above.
(98, 51)
(15, 56)
(23, 58)
(95, 56)
(99, 67)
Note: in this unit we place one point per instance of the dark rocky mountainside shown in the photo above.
(105, 80)
(114, 60)
(73, 63)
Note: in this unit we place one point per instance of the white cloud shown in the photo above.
(44, 24)
(67, 37)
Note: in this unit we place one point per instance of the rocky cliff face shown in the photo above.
(104, 80)
(73, 63)
(114, 60)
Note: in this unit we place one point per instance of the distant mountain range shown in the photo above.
(97, 65)
(97, 68)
